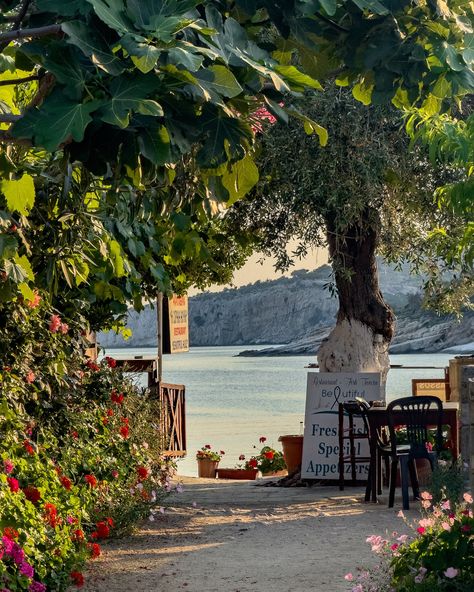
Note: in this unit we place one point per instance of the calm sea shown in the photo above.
(231, 402)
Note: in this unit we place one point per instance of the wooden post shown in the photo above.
(159, 325)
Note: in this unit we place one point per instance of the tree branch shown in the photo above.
(9, 118)
(19, 80)
(21, 15)
(29, 33)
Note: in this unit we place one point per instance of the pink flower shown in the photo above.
(426, 504)
(34, 303)
(358, 588)
(468, 498)
(349, 577)
(451, 572)
(402, 538)
(420, 530)
(8, 466)
(55, 323)
(445, 505)
(426, 496)
(429, 446)
(64, 328)
(446, 526)
(30, 377)
(13, 484)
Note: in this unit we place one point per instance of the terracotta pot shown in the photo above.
(207, 468)
(248, 474)
(292, 451)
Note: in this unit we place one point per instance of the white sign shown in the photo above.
(324, 392)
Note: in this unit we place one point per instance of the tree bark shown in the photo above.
(365, 322)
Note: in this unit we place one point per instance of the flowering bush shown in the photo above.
(206, 452)
(268, 460)
(439, 557)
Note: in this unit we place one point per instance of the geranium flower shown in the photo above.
(51, 515)
(117, 397)
(242, 457)
(8, 466)
(10, 533)
(26, 569)
(102, 531)
(269, 454)
(115, 474)
(64, 328)
(142, 473)
(37, 587)
(28, 447)
(253, 463)
(467, 498)
(451, 572)
(66, 482)
(78, 535)
(111, 362)
(91, 480)
(30, 377)
(13, 484)
(34, 303)
(92, 366)
(54, 323)
(262, 439)
(94, 550)
(32, 494)
(77, 578)
(124, 431)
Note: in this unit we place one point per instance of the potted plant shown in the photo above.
(208, 461)
(269, 462)
(292, 451)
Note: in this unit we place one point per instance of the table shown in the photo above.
(378, 418)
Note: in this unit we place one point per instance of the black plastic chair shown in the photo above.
(414, 417)
(351, 434)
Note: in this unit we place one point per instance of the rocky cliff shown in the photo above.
(299, 312)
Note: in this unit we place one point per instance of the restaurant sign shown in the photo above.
(324, 392)
(175, 331)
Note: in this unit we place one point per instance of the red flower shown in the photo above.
(13, 484)
(51, 515)
(55, 323)
(110, 412)
(124, 431)
(116, 397)
(421, 529)
(221, 452)
(110, 522)
(105, 421)
(253, 463)
(208, 446)
(91, 480)
(102, 531)
(242, 457)
(466, 528)
(269, 454)
(32, 494)
(111, 362)
(125, 420)
(74, 435)
(94, 549)
(11, 533)
(77, 578)
(78, 535)
(262, 439)
(115, 474)
(28, 447)
(92, 366)
(142, 473)
(66, 482)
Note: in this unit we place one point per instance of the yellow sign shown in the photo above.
(176, 331)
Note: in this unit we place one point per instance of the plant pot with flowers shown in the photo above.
(208, 461)
(270, 461)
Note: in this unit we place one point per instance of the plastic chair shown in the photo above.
(415, 418)
(351, 434)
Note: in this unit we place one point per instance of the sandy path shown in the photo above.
(240, 537)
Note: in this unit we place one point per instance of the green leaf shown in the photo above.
(14, 272)
(243, 175)
(117, 259)
(296, 79)
(8, 246)
(26, 266)
(112, 14)
(371, 6)
(221, 80)
(58, 120)
(155, 144)
(362, 93)
(329, 6)
(20, 194)
(69, 8)
(26, 292)
(63, 62)
(310, 126)
(468, 51)
(128, 96)
(144, 55)
(148, 14)
(228, 138)
(188, 60)
(94, 45)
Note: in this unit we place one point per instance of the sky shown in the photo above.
(253, 270)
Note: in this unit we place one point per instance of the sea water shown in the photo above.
(233, 401)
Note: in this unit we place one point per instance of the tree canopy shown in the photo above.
(125, 123)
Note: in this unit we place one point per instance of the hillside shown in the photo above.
(299, 311)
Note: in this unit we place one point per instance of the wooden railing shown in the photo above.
(173, 419)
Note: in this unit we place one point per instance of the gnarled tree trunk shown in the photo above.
(365, 322)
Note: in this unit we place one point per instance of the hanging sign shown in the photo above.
(175, 326)
(324, 392)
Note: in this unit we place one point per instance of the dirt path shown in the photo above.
(237, 537)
